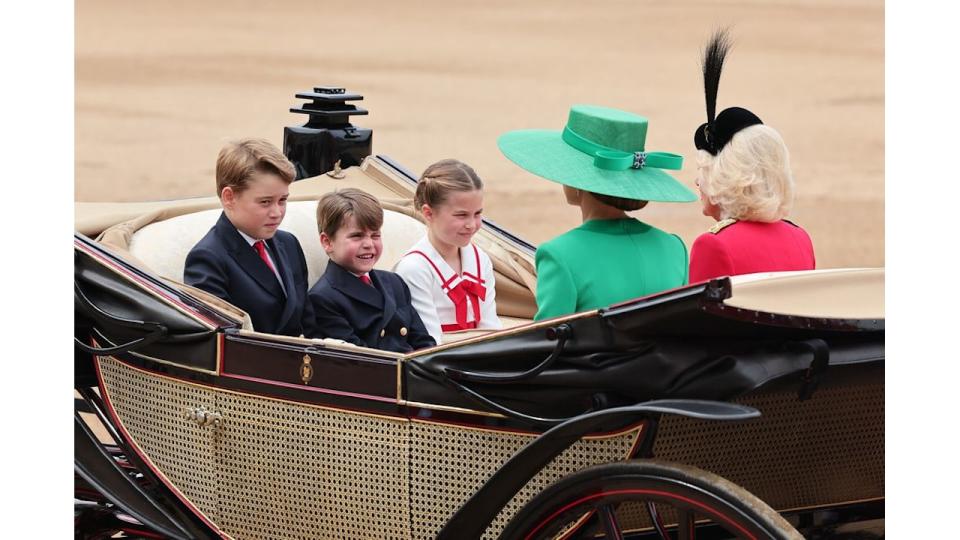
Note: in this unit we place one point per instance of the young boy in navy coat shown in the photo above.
(352, 301)
(244, 259)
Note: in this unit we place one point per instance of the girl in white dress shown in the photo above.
(451, 280)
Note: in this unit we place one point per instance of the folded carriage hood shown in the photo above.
(116, 303)
(713, 340)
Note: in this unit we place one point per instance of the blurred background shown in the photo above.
(160, 86)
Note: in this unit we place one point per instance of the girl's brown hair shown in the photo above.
(443, 177)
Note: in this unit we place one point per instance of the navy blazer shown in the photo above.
(380, 317)
(225, 265)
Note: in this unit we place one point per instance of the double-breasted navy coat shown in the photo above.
(379, 316)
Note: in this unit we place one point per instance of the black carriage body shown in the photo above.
(226, 423)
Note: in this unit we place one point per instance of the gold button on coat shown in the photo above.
(403, 330)
(383, 332)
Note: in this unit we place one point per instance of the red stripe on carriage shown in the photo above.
(309, 388)
(146, 460)
(664, 494)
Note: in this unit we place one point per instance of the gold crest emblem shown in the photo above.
(306, 370)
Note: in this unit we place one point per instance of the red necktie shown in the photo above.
(262, 250)
(366, 279)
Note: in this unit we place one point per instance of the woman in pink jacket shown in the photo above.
(746, 185)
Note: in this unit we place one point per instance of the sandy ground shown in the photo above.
(160, 86)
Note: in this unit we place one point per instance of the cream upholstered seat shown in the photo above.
(158, 235)
(164, 245)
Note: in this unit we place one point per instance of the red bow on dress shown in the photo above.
(459, 294)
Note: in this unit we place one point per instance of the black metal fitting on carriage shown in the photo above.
(718, 289)
(561, 331)
(328, 138)
(817, 369)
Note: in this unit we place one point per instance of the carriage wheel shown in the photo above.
(696, 498)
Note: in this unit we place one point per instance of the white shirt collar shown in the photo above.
(250, 240)
(468, 263)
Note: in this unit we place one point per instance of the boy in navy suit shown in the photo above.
(352, 301)
(244, 259)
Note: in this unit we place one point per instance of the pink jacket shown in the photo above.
(732, 248)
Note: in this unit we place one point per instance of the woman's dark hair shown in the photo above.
(619, 203)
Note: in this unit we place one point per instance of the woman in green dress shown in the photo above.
(600, 159)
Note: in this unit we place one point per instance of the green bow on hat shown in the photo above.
(601, 150)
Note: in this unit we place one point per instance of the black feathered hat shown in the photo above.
(719, 128)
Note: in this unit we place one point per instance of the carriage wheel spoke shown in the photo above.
(657, 522)
(611, 528)
(685, 525)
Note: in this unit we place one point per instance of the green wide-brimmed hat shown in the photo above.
(600, 150)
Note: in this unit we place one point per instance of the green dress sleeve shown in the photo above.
(556, 291)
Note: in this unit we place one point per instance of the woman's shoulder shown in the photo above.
(598, 233)
(556, 247)
(718, 232)
(573, 237)
(799, 233)
(653, 237)
(708, 240)
(732, 231)
(794, 227)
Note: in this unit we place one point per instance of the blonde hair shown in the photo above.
(443, 177)
(750, 178)
(239, 160)
(335, 207)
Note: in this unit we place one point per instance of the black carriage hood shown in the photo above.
(684, 343)
(116, 303)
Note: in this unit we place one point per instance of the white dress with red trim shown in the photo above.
(446, 301)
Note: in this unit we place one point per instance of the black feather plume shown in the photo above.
(711, 60)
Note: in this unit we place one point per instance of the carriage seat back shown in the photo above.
(164, 245)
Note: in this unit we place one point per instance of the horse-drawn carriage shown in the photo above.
(747, 407)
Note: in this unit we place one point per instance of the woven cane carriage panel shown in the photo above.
(271, 469)
(826, 450)
(449, 463)
(150, 410)
(288, 470)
